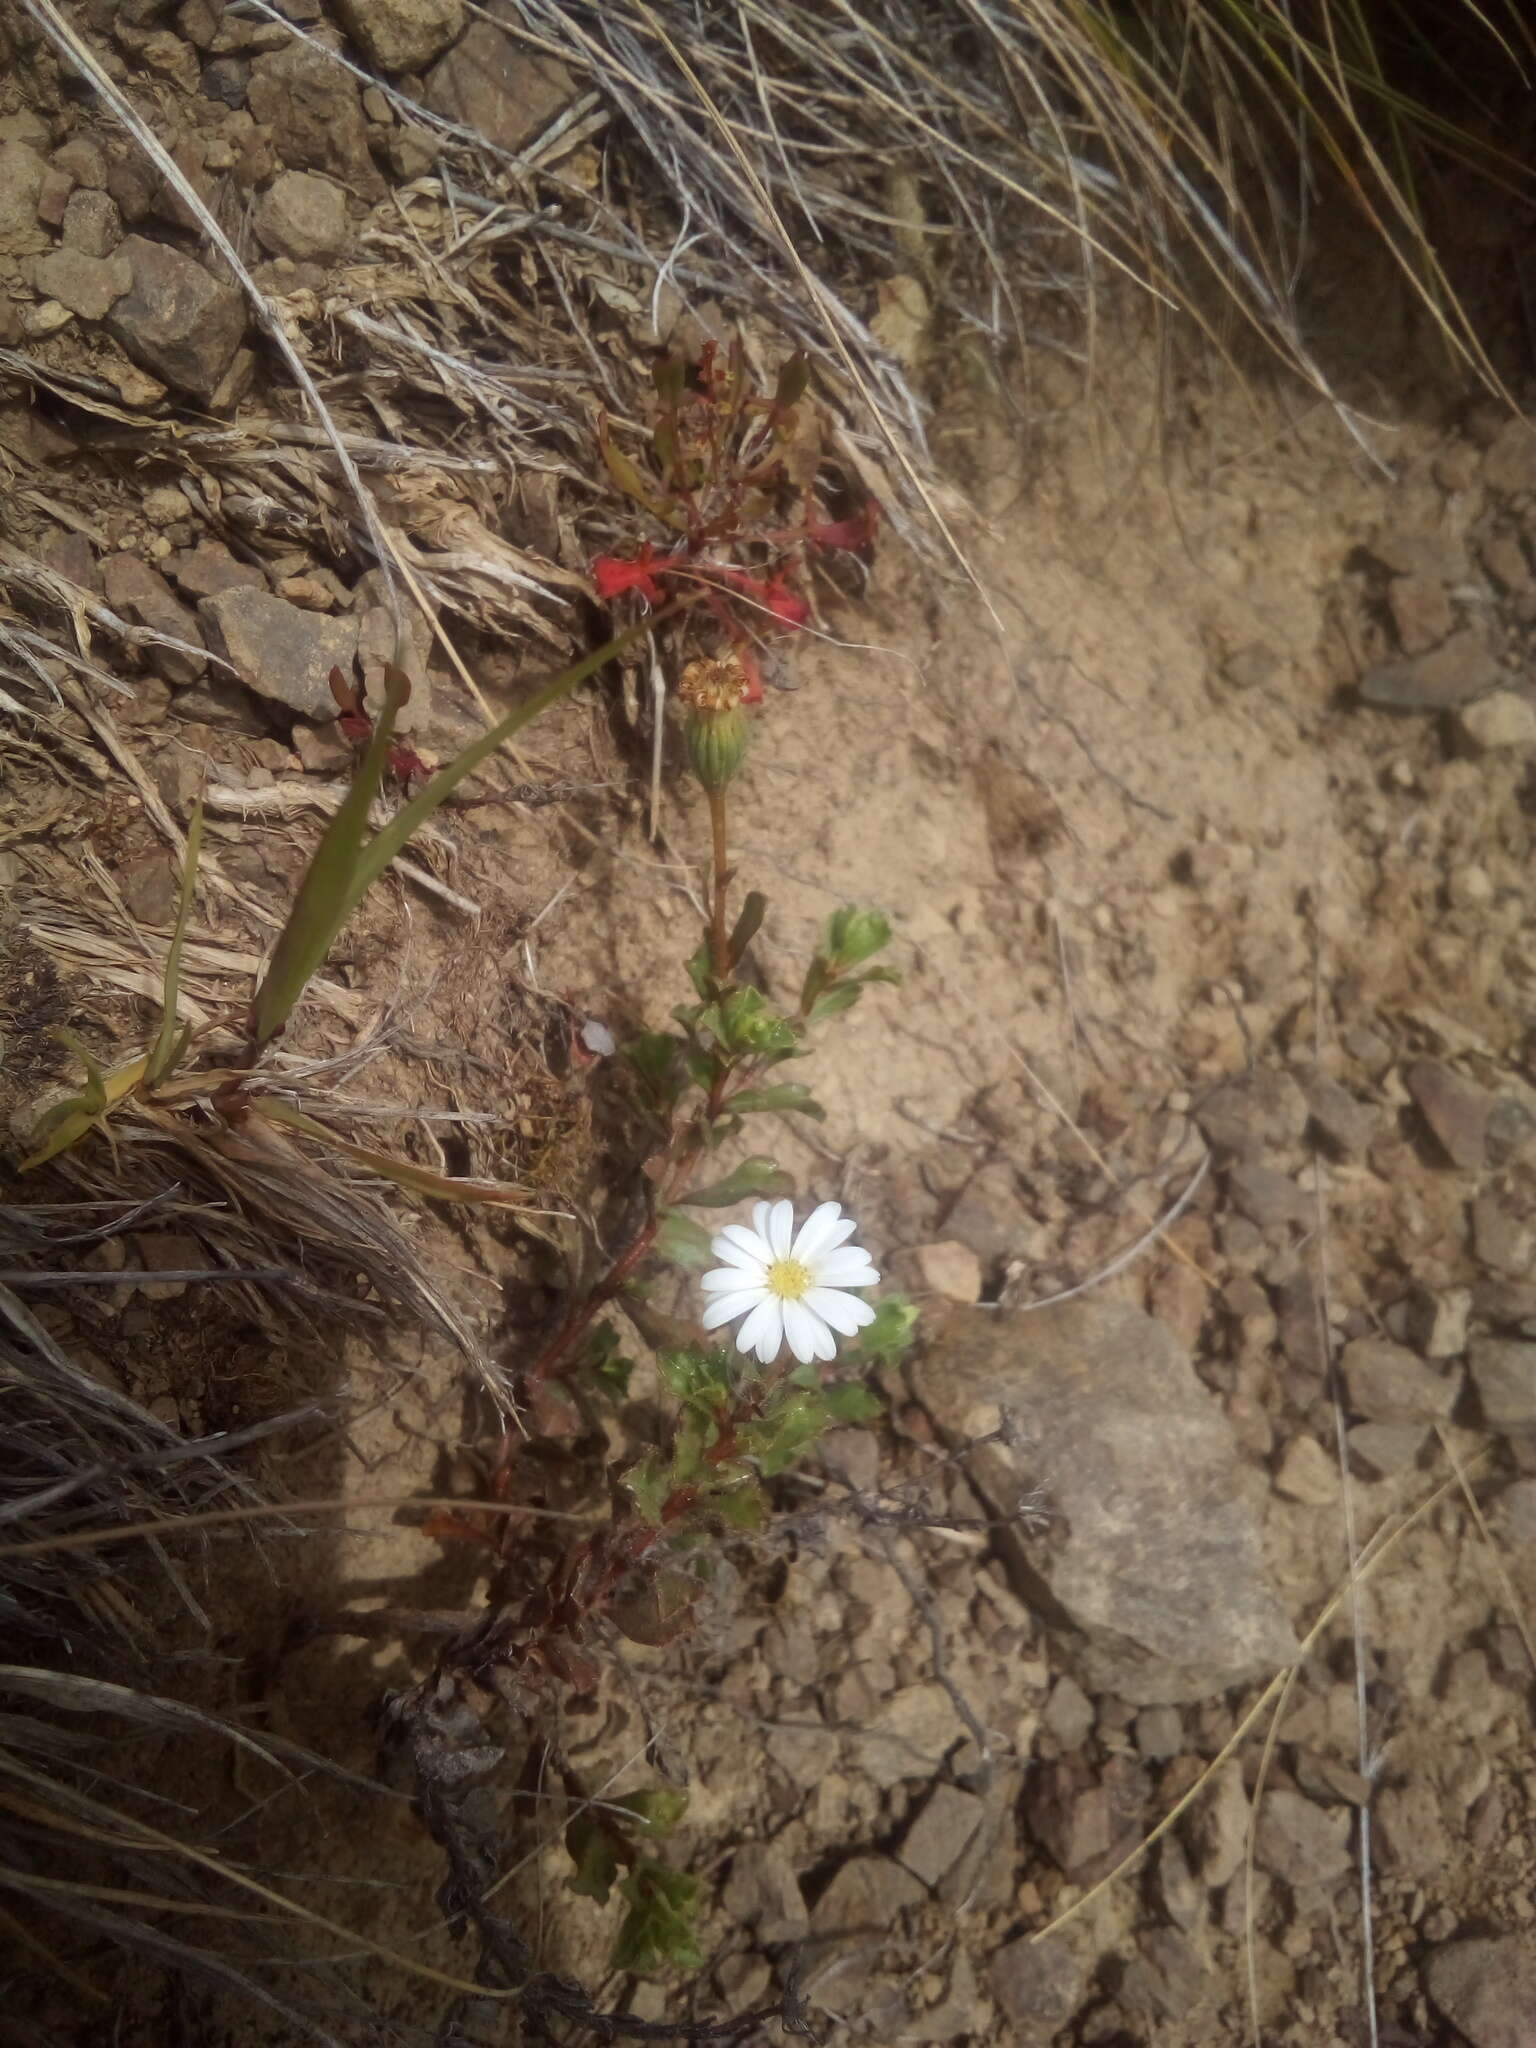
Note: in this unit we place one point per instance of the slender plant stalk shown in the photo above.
(719, 930)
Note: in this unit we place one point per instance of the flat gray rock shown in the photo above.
(1487, 1989)
(1150, 1564)
(280, 651)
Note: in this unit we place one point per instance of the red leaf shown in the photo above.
(614, 574)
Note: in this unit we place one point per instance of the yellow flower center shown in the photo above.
(788, 1279)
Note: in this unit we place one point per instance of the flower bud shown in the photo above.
(716, 742)
(716, 726)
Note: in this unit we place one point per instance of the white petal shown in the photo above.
(739, 1247)
(727, 1307)
(826, 1343)
(746, 1242)
(763, 1331)
(845, 1312)
(781, 1228)
(761, 1212)
(816, 1232)
(850, 1268)
(726, 1279)
(800, 1328)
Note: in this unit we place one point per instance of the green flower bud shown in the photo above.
(716, 742)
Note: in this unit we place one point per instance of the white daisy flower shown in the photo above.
(789, 1288)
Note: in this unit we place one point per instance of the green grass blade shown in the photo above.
(166, 1050)
(326, 895)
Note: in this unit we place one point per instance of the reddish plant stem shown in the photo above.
(719, 931)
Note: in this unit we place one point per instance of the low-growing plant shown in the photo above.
(732, 500)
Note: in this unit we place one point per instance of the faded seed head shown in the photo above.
(713, 684)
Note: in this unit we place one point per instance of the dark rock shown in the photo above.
(1410, 551)
(1386, 1382)
(302, 217)
(92, 223)
(22, 172)
(1271, 1200)
(1302, 1844)
(1253, 1113)
(1329, 1782)
(1178, 1891)
(279, 651)
(402, 35)
(762, 1894)
(1042, 1981)
(1167, 1980)
(1069, 1814)
(1345, 1124)
(1382, 1448)
(1508, 1304)
(180, 323)
(500, 89)
(1152, 1556)
(1412, 1839)
(1505, 560)
(83, 160)
(1504, 1377)
(150, 888)
(1159, 1732)
(315, 114)
(1511, 1129)
(209, 568)
(1455, 1109)
(1504, 1233)
(72, 555)
(1296, 1312)
(1453, 673)
(1421, 611)
(1437, 1323)
(1218, 1829)
(988, 1215)
(88, 285)
(141, 595)
(226, 79)
(1068, 1713)
(942, 1832)
(1486, 1989)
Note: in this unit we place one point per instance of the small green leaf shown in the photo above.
(854, 936)
(886, 1340)
(628, 477)
(657, 1812)
(682, 1242)
(747, 925)
(833, 1001)
(698, 1377)
(701, 974)
(741, 1507)
(591, 1848)
(658, 1928)
(794, 376)
(654, 1058)
(649, 1484)
(784, 1096)
(795, 1419)
(756, 1176)
(849, 1402)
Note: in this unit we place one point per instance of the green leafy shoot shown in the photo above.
(887, 1340)
(837, 976)
(785, 1096)
(682, 1242)
(656, 1812)
(170, 1044)
(67, 1122)
(658, 1930)
(753, 1177)
(607, 1363)
(593, 1850)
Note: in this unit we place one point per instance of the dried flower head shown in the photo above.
(718, 683)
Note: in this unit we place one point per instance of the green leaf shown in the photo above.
(784, 1096)
(755, 1176)
(747, 925)
(628, 477)
(833, 1001)
(701, 974)
(649, 1484)
(654, 1058)
(657, 1812)
(170, 1044)
(682, 1242)
(699, 1378)
(849, 1402)
(794, 1420)
(854, 936)
(886, 1340)
(741, 1507)
(329, 889)
(794, 376)
(658, 1928)
(591, 1848)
